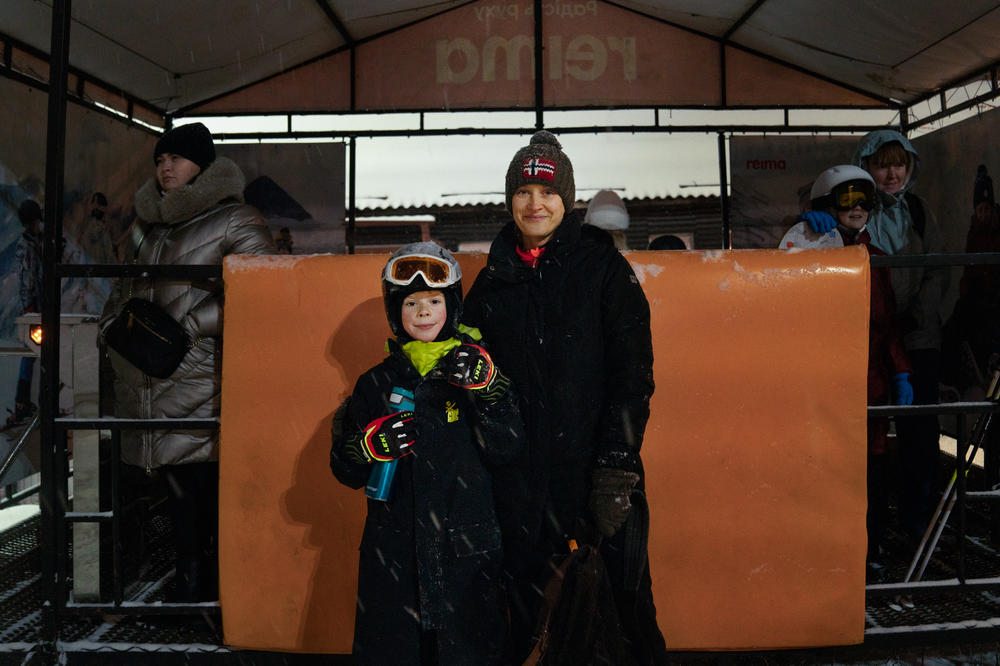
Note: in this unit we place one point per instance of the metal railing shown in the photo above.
(56, 518)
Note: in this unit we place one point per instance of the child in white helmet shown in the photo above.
(848, 193)
(439, 413)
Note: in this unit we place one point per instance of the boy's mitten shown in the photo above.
(902, 390)
(609, 498)
(471, 367)
(819, 221)
(389, 437)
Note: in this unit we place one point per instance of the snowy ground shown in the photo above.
(16, 514)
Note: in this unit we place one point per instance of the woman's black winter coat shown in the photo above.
(431, 555)
(573, 335)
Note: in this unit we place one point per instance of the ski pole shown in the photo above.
(936, 527)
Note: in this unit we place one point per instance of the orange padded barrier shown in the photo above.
(755, 451)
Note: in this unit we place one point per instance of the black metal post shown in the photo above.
(962, 468)
(727, 232)
(115, 465)
(539, 69)
(351, 196)
(53, 498)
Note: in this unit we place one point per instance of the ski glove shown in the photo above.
(902, 391)
(819, 221)
(471, 367)
(388, 437)
(609, 498)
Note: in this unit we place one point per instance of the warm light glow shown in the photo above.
(35, 333)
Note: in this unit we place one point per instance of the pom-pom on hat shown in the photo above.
(542, 162)
(192, 141)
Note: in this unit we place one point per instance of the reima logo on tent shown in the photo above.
(765, 165)
(584, 58)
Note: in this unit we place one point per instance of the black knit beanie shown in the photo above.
(542, 162)
(193, 142)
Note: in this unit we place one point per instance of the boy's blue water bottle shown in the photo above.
(380, 480)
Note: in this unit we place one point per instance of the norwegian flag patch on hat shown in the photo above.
(539, 167)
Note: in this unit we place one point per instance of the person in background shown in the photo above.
(607, 211)
(190, 212)
(972, 334)
(28, 258)
(429, 573)
(568, 321)
(847, 193)
(283, 241)
(667, 242)
(902, 224)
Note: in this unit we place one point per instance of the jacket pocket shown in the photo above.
(474, 539)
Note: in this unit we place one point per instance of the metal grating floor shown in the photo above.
(894, 624)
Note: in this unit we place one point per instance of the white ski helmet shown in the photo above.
(843, 187)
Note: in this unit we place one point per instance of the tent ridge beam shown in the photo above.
(741, 20)
(338, 25)
(596, 129)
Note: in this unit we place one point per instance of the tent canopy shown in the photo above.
(288, 56)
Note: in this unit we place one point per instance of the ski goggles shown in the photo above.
(435, 271)
(854, 193)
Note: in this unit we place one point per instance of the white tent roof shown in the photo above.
(176, 56)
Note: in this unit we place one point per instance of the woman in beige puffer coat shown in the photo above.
(192, 212)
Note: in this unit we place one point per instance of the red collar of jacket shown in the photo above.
(532, 256)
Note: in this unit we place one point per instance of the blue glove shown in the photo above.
(819, 221)
(902, 392)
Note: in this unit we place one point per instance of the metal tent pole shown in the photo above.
(727, 232)
(53, 453)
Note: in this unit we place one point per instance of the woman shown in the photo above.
(569, 323)
(191, 212)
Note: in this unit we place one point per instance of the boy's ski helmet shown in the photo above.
(842, 187)
(423, 266)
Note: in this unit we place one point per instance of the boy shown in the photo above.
(438, 408)
(847, 193)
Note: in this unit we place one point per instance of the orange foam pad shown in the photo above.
(754, 453)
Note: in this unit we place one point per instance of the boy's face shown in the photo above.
(424, 315)
(855, 218)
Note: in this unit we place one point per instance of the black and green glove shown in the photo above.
(384, 439)
(471, 367)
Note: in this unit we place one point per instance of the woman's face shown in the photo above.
(889, 178)
(173, 171)
(424, 315)
(538, 210)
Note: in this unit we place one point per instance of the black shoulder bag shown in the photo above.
(146, 336)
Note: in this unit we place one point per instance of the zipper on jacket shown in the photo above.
(147, 436)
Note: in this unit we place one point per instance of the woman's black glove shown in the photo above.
(609, 498)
